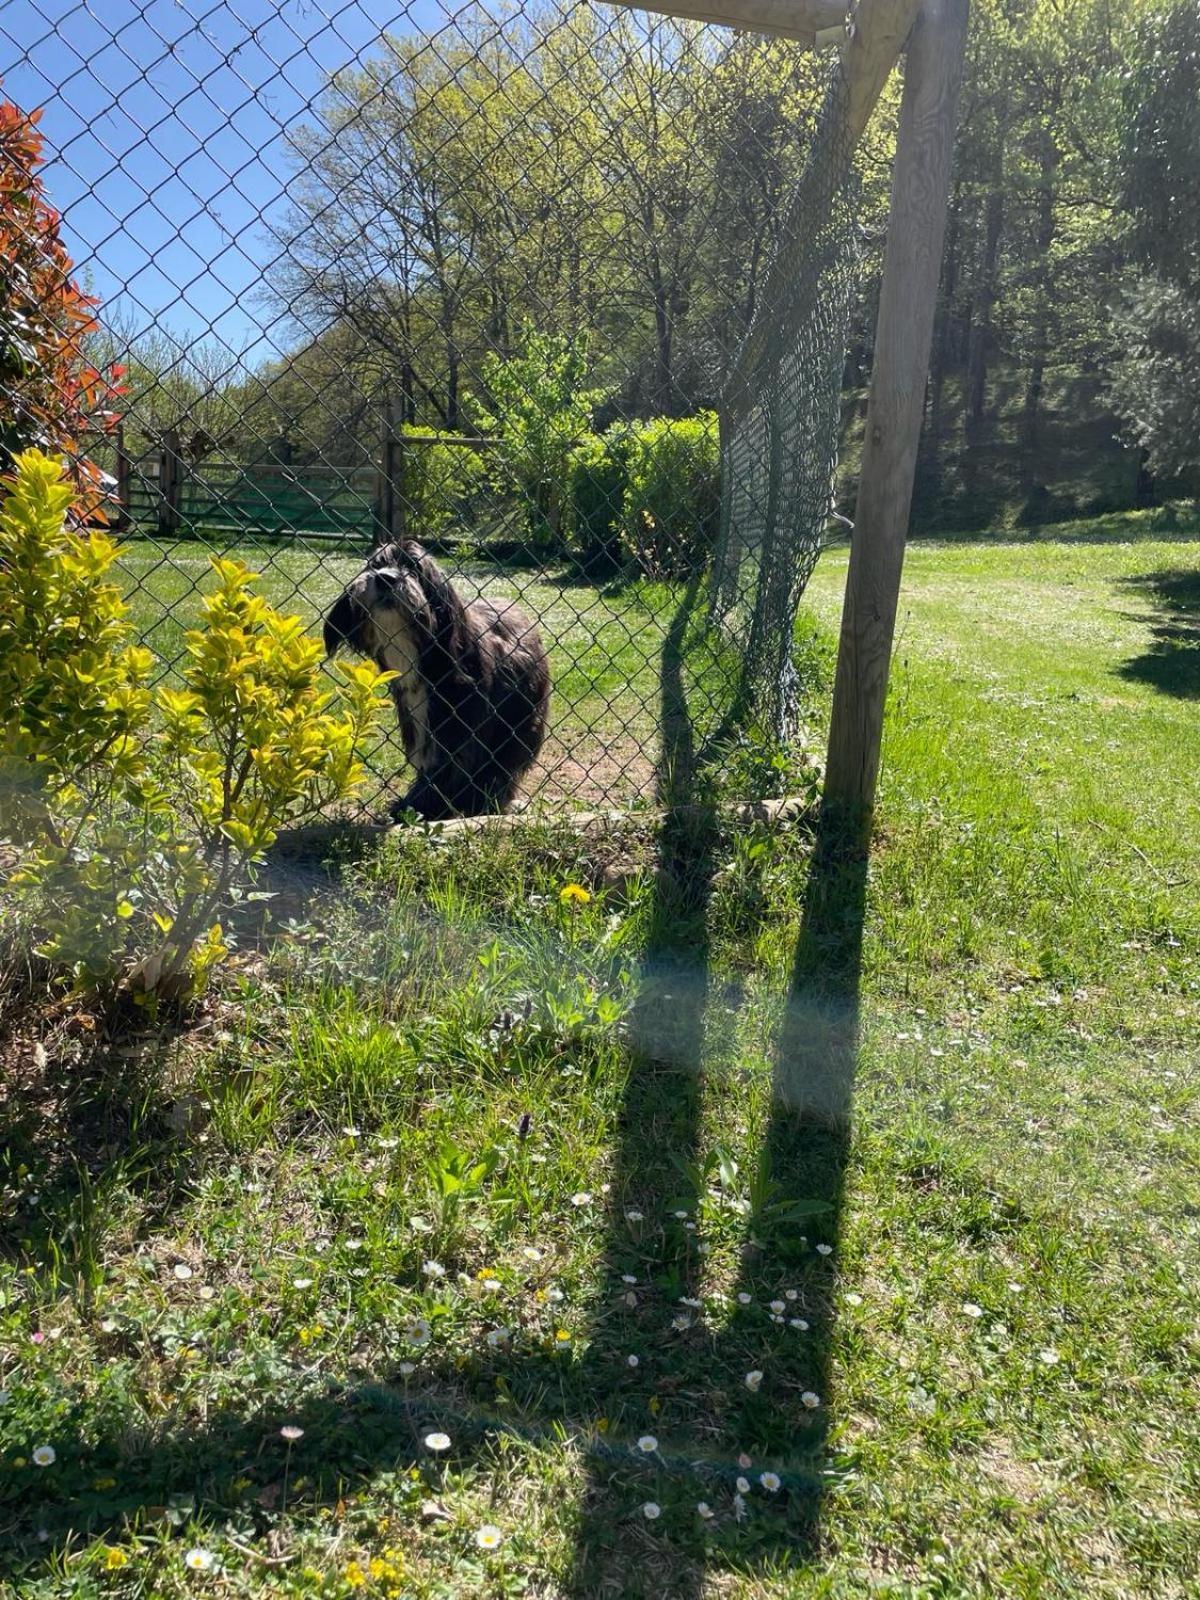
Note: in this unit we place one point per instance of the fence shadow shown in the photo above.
(1172, 663)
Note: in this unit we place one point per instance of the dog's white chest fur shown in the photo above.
(396, 651)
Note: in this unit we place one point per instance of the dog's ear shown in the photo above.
(341, 624)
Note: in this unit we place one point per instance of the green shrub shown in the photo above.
(673, 494)
(132, 814)
(597, 478)
(538, 408)
(440, 484)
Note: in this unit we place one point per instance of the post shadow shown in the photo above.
(658, 1135)
(798, 1192)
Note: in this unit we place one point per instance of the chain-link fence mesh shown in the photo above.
(780, 422)
(473, 276)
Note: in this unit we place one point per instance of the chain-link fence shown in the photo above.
(474, 276)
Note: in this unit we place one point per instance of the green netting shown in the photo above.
(779, 424)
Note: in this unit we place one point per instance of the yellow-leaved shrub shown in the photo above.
(134, 815)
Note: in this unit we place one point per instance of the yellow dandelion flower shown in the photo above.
(574, 894)
(355, 1576)
(114, 1558)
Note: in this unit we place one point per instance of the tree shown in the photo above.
(1154, 381)
(53, 397)
(539, 410)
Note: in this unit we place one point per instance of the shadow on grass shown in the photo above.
(686, 1066)
(1172, 663)
(716, 1427)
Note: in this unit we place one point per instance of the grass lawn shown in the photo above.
(537, 1214)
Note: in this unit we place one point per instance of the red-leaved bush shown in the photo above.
(51, 396)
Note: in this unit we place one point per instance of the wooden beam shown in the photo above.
(912, 265)
(790, 19)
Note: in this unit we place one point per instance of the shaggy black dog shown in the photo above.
(472, 684)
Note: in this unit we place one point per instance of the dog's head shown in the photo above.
(390, 596)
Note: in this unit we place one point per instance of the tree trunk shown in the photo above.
(979, 346)
(940, 359)
(979, 349)
(1040, 343)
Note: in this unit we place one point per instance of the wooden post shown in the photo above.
(391, 514)
(169, 485)
(124, 477)
(912, 263)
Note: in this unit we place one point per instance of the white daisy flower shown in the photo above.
(798, 1322)
(681, 1323)
(497, 1337)
(777, 1319)
(687, 1300)
(302, 1283)
(388, 1144)
(647, 1444)
(489, 1537)
(437, 1442)
(704, 1510)
(970, 1309)
(45, 1455)
(770, 1481)
(355, 1244)
(182, 1271)
(744, 1299)
(417, 1331)
(492, 1285)
(854, 1300)
(531, 1253)
(199, 1560)
(628, 1277)
(1049, 1357)
(810, 1400)
(556, 1296)
(824, 1249)
(407, 1368)
(777, 1306)
(634, 1216)
(679, 1215)
(689, 1227)
(633, 1361)
(651, 1511)
(753, 1381)
(791, 1294)
(583, 1198)
(743, 1485)
(433, 1269)
(352, 1133)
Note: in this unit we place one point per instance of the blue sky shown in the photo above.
(164, 124)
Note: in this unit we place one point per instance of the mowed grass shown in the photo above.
(604, 647)
(547, 1177)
